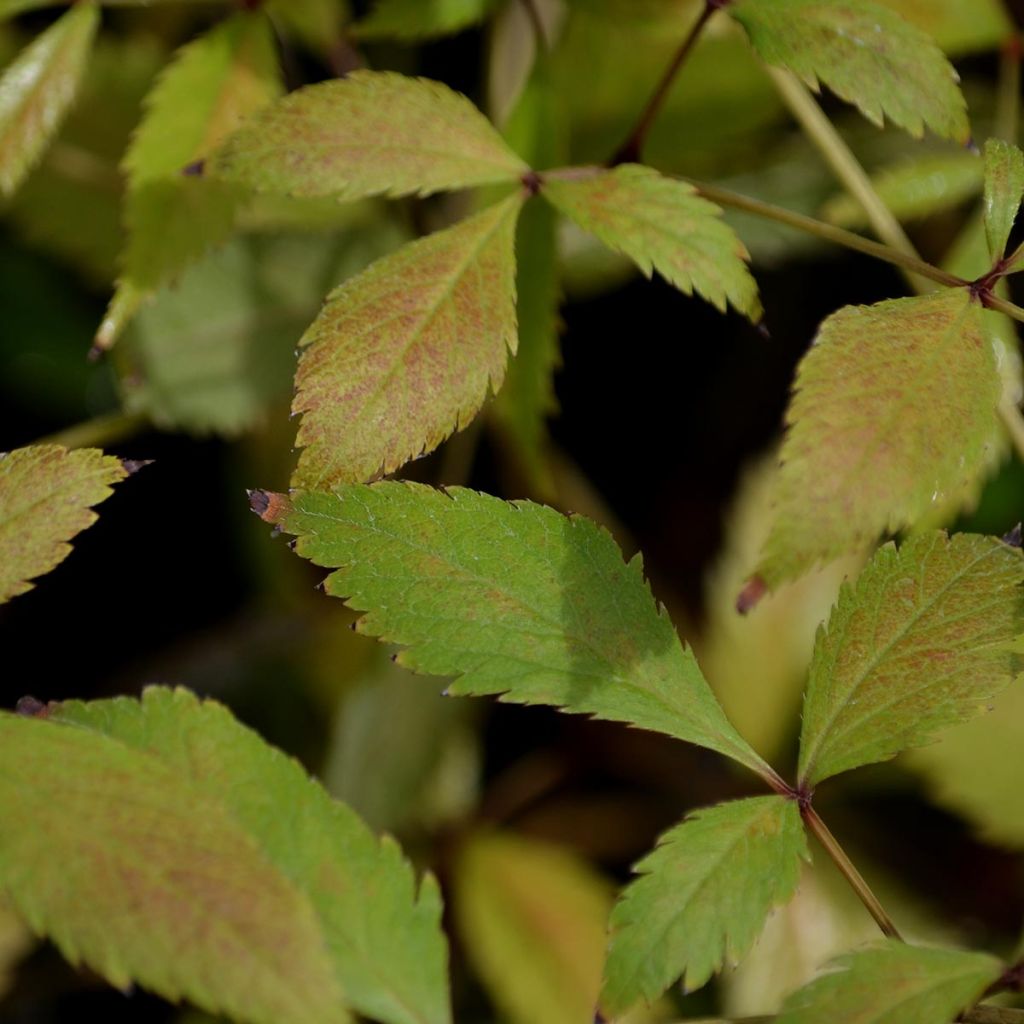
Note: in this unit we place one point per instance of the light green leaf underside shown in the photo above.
(420, 19)
(37, 89)
(703, 897)
(866, 54)
(957, 26)
(921, 641)
(134, 870)
(532, 919)
(915, 188)
(515, 599)
(215, 352)
(403, 354)
(46, 496)
(373, 133)
(894, 410)
(893, 983)
(661, 225)
(210, 87)
(376, 940)
(1004, 189)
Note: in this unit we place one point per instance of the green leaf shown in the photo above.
(959, 27)
(1004, 189)
(213, 353)
(866, 54)
(894, 411)
(403, 355)
(318, 24)
(37, 89)
(514, 598)
(532, 919)
(703, 897)
(372, 133)
(209, 88)
(661, 225)
(250, 889)
(921, 641)
(46, 493)
(894, 983)
(915, 188)
(420, 19)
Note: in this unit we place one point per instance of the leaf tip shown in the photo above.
(196, 169)
(751, 594)
(132, 466)
(1014, 538)
(31, 707)
(268, 505)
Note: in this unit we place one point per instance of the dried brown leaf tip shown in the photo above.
(31, 707)
(751, 594)
(268, 505)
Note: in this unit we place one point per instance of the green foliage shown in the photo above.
(403, 355)
(661, 225)
(374, 133)
(420, 19)
(249, 885)
(894, 984)
(866, 54)
(46, 497)
(921, 641)
(1004, 189)
(515, 599)
(914, 422)
(958, 27)
(703, 897)
(37, 89)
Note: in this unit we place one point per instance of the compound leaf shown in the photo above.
(866, 54)
(403, 354)
(372, 133)
(1004, 189)
(703, 897)
(46, 496)
(922, 640)
(662, 225)
(514, 598)
(203, 863)
(37, 89)
(894, 410)
(211, 86)
(893, 983)
(420, 19)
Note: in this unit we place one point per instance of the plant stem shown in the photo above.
(99, 432)
(632, 149)
(536, 23)
(849, 870)
(976, 1015)
(829, 233)
(847, 168)
(1007, 118)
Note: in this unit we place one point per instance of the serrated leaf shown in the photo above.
(703, 897)
(532, 919)
(514, 598)
(866, 54)
(661, 225)
(212, 84)
(420, 19)
(915, 188)
(372, 133)
(46, 496)
(894, 983)
(958, 26)
(37, 89)
(1004, 189)
(288, 876)
(403, 354)
(922, 640)
(894, 409)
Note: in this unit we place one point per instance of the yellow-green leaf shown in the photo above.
(866, 54)
(1004, 189)
(37, 89)
(893, 413)
(894, 983)
(420, 19)
(532, 918)
(921, 641)
(372, 133)
(514, 598)
(661, 225)
(703, 897)
(404, 354)
(46, 496)
(240, 882)
(959, 26)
